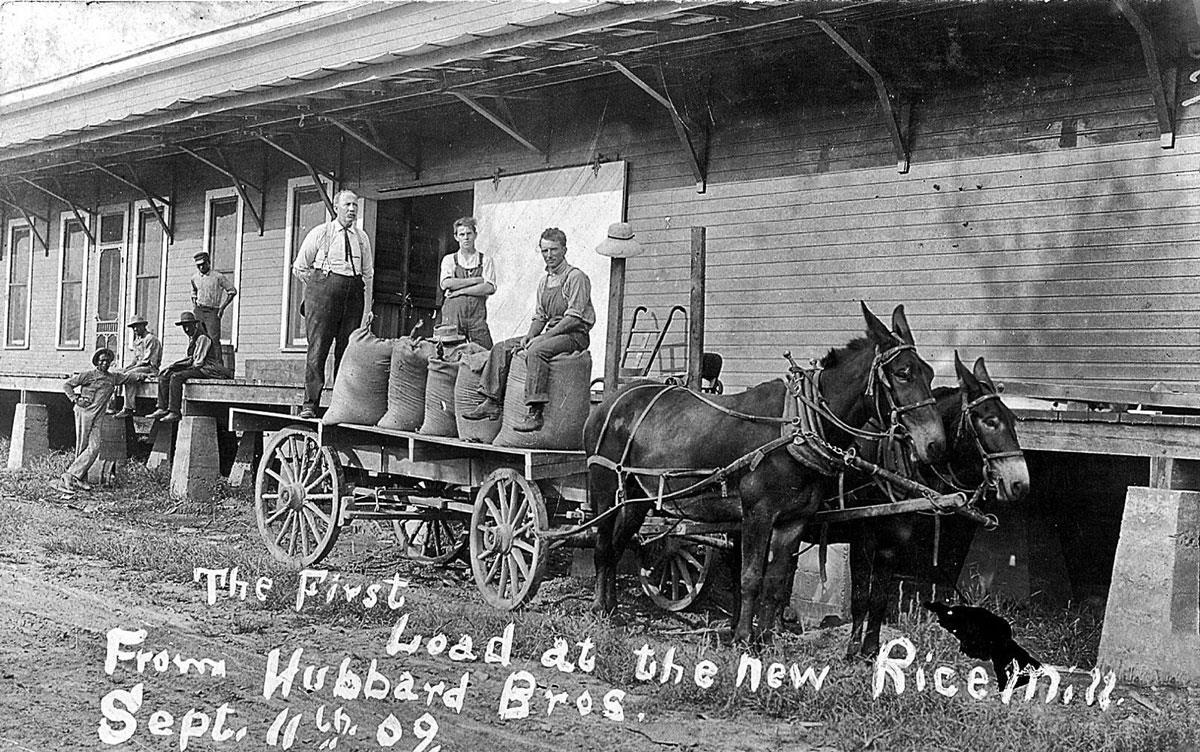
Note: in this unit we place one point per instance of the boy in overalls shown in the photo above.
(468, 278)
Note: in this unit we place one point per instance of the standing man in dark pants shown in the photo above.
(561, 322)
(337, 266)
(212, 292)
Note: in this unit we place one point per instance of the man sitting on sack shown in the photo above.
(561, 322)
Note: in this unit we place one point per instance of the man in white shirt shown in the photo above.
(212, 292)
(337, 266)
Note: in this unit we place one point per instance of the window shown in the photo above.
(306, 210)
(71, 288)
(149, 269)
(20, 270)
(223, 241)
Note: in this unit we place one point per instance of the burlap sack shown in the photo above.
(440, 415)
(406, 384)
(565, 413)
(467, 398)
(360, 388)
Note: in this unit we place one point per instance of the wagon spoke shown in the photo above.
(675, 579)
(305, 529)
(295, 531)
(283, 529)
(316, 510)
(485, 555)
(313, 483)
(276, 514)
(319, 497)
(494, 568)
(278, 478)
(502, 496)
(502, 588)
(685, 575)
(493, 510)
(518, 510)
(519, 564)
(525, 546)
(691, 559)
(525, 529)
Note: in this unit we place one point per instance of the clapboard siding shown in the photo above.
(1072, 264)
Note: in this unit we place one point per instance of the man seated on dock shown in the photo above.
(147, 357)
(561, 322)
(203, 361)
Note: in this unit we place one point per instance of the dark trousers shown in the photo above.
(537, 365)
(211, 318)
(170, 388)
(333, 308)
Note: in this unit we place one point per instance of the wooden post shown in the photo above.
(696, 310)
(616, 305)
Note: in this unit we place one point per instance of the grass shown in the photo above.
(139, 528)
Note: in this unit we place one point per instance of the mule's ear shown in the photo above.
(876, 329)
(900, 325)
(982, 374)
(966, 380)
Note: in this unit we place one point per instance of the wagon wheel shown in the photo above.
(431, 541)
(674, 570)
(507, 556)
(298, 497)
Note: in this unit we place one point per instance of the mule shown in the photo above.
(983, 450)
(656, 429)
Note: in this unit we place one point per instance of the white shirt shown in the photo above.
(325, 248)
(489, 268)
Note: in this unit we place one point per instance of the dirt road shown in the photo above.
(184, 674)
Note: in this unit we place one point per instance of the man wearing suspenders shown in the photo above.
(337, 266)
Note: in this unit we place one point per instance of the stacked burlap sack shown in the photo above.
(564, 414)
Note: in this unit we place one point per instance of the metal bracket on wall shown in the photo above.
(239, 183)
(30, 218)
(151, 199)
(890, 110)
(1164, 105)
(313, 173)
(370, 144)
(87, 230)
(698, 164)
(499, 122)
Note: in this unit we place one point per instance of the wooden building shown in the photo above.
(1023, 176)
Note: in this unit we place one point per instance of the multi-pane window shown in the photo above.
(20, 265)
(109, 280)
(72, 269)
(148, 276)
(308, 211)
(222, 241)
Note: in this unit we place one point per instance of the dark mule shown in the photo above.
(646, 427)
(983, 450)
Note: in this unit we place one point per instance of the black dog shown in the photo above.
(986, 636)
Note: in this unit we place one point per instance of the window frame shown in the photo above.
(65, 219)
(12, 226)
(220, 194)
(294, 185)
(135, 235)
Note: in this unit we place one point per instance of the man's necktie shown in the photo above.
(349, 255)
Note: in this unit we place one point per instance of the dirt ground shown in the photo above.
(60, 612)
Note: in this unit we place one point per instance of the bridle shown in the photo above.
(966, 426)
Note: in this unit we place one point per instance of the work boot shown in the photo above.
(307, 413)
(124, 412)
(171, 417)
(160, 412)
(533, 421)
(489, 409)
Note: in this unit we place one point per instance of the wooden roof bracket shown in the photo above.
(152, 200)
(697, 160)
(499, 122)
(29, 218)
(313, 172)
(370, 144)
(238, 182)
(1164, 106)
(890, 110)
(87, 230)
